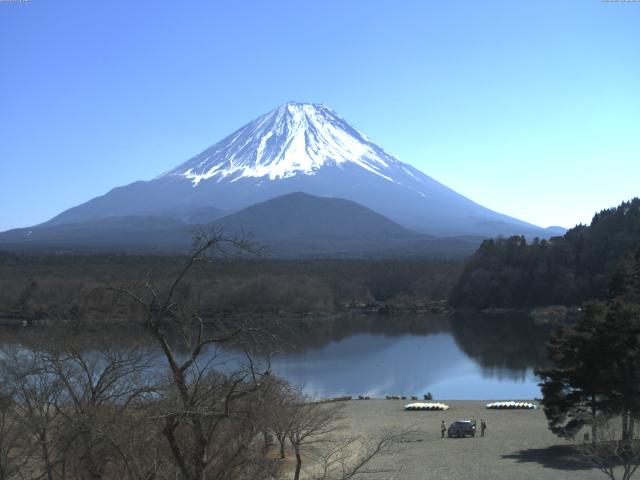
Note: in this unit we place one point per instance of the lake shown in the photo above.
(464, 357)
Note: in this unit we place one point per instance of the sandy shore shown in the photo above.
(517, 444)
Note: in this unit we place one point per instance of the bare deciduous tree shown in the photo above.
(206, 405)
(616, 451)
(311, 424)
(352, 456)
(12, 440)
(178, 410)
(280, 398)
(73, 409)
(97, 389)
(36, 395)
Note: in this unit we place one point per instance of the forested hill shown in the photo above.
(568, 270)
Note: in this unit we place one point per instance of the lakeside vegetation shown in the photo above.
(69, 287)
(594, 377)
(509, 273)
(567, 270)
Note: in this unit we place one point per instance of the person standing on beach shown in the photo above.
(443, 428)
(483, 427)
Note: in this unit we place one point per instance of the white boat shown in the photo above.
(511, 405)
(427, 406)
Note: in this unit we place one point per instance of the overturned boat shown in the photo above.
(427, 406)
(511, 405)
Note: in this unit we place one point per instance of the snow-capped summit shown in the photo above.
(294, 139)
(302, 147)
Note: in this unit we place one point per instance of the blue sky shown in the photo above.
(531, 108)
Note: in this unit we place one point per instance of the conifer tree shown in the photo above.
(596, 361)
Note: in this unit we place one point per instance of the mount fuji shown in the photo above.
(298, 147)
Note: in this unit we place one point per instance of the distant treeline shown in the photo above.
(567, 270)
(504, 272)
(66, 287)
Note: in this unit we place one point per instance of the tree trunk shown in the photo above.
(198, 461)
(594, 421)
(625, 426)
(45, 455)
(282, 440)
(169, 433)
(199, 456)
(203, 475)
(298, 462)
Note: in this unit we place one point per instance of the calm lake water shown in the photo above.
(471, 357)
(378, 365)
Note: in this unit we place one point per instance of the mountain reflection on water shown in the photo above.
(470, 357)
(464, 357)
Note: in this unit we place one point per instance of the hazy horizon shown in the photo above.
(530, 110)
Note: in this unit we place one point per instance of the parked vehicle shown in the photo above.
(461, 428)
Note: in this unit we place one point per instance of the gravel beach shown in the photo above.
(517, 443)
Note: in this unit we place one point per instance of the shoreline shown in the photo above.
(539, 314)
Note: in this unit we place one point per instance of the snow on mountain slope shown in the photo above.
(294, 139)
(303, 147)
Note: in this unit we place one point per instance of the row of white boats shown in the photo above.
(510, 405)
(427, 406)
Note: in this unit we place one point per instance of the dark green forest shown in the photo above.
(567, 270)
(69, 287)
(594, 373)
